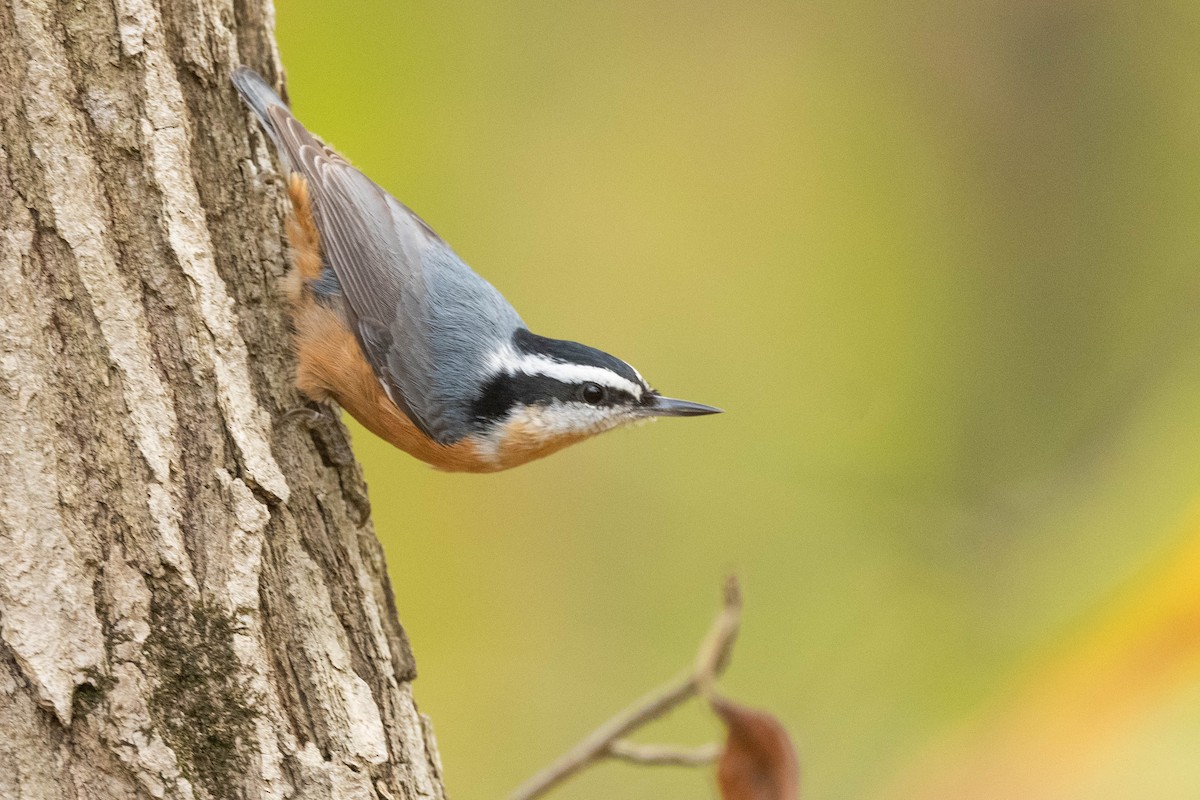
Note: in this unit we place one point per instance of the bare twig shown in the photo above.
(667, 755)
(717, 647)
(711, 661)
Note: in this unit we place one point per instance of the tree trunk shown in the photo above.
(190, 606)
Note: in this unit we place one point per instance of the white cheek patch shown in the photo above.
(549, 423)
(565, 419)
(506, 359)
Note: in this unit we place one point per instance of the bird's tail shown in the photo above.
(261, 99)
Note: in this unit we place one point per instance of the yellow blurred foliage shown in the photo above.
(1081, 711)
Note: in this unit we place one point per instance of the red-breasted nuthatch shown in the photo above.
(395, 328)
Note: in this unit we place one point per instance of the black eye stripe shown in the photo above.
(506, 391)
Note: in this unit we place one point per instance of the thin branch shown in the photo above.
(667, 755)
(711, 660)
(717, 647)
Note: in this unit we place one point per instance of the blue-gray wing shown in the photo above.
(425, 321)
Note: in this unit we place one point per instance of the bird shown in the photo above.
(392, 326)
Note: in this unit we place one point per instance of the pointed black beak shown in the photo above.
(670, 407)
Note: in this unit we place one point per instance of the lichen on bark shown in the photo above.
(201, 700)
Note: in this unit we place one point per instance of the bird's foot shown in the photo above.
(333, 443)
(331, 438)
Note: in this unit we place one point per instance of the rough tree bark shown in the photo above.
(189, 605)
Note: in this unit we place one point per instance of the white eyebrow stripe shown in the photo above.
(506, 359)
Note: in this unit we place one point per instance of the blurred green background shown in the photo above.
(940, 262)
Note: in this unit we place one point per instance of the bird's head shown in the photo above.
(543, 394)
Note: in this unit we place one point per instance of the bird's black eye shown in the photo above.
(592, 393)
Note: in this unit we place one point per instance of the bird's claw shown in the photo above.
(330, 436)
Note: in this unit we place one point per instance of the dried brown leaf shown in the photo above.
(758, 761)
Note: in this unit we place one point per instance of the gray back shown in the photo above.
(426, 322)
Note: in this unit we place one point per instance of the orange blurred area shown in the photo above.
(939, 262)
(1087, 710)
